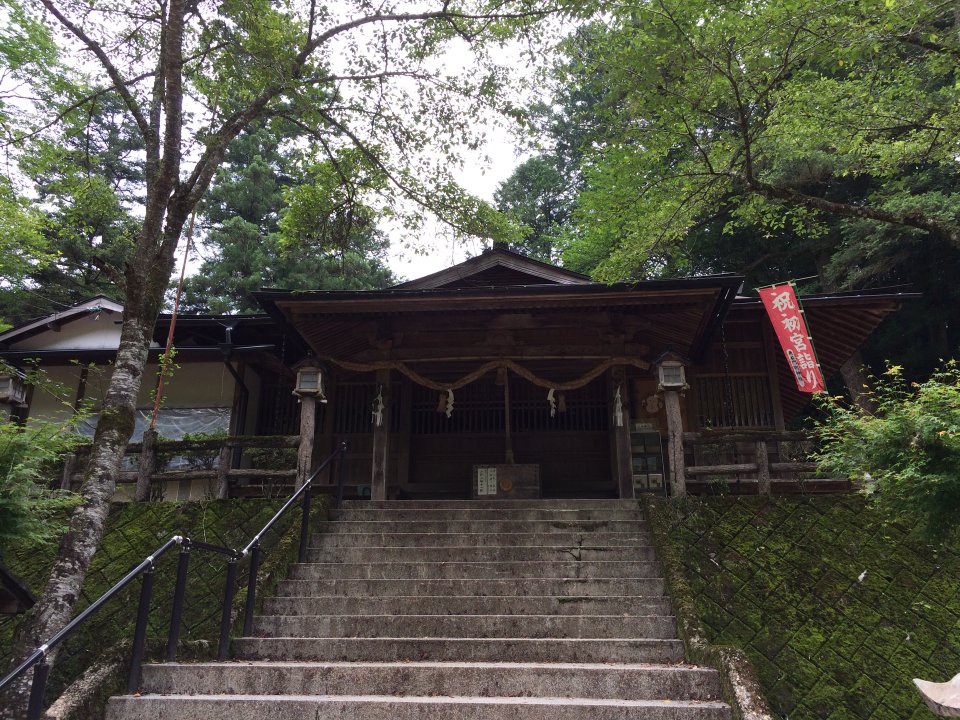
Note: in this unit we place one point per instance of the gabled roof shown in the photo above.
(496, 267)
(98, 304)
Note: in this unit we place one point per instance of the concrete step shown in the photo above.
(482, 587)
(460, 570)
(496, 553)
(538, 527)
(393, 649)
(539, 504)
(361, 707)
(456, 539)
(475, 626)
(475, 514)
(466, 605)
(507, 679)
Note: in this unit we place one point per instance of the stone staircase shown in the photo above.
(475, 610)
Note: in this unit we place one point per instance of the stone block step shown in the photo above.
(475, 626)
(343, 707)
(389, 649)
(475, 514)
(538, 527)
(539, 504)
(496, 553)
(504, 679)
(482, 587)
(475, 539)
(462, 570)
(467, 605)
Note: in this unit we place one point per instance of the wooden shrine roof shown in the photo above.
(497, 266)
(574, 319)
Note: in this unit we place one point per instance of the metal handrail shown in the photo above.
(38, 658)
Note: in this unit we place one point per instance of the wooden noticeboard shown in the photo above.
(505, 482)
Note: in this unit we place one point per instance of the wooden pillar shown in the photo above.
(308, 428)
(508, 454)
(381, 444)
(69, 467)
(403, 438)
(770, 347)
(223, 472)
(678, 473)
(148, 464)
(621, 432)
(763, 468)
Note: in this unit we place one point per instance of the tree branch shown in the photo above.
(118, 82)
(949, 232)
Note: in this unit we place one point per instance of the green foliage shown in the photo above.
(23, 247)
(276, 220)
(837, 604)
(908, 453)
(82, 216)
(272, 458)
(31, 513)
(202, 458)
(774, 106)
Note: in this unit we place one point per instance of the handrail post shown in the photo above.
(176, 613)
(41, 671)
(251, 589)
(228, 592)
(140, 634)
(305, 523)
(341, 468)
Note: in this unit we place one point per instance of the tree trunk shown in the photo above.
(147, 279)
(856, 381)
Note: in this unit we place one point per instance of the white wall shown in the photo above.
(93, 332)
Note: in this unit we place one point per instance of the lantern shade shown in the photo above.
(672, 375)
(310, 382)
(12, 390)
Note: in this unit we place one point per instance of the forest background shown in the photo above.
(655, 143)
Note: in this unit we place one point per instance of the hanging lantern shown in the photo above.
(13, 391)
(310, 382)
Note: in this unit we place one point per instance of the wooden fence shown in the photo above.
(219, 461)
(752, 462)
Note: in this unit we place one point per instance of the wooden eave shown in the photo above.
(677, 315)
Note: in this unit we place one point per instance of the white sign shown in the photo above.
(486, 481)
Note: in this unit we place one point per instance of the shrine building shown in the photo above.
(501, 375)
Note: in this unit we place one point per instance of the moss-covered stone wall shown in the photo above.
(837, 606)
(133, 531)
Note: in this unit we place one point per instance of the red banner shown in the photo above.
(794, 336)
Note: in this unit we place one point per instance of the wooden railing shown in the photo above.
(754, 462)
(224, 457)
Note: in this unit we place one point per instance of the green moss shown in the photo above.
(133, 531)
(837, 605)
